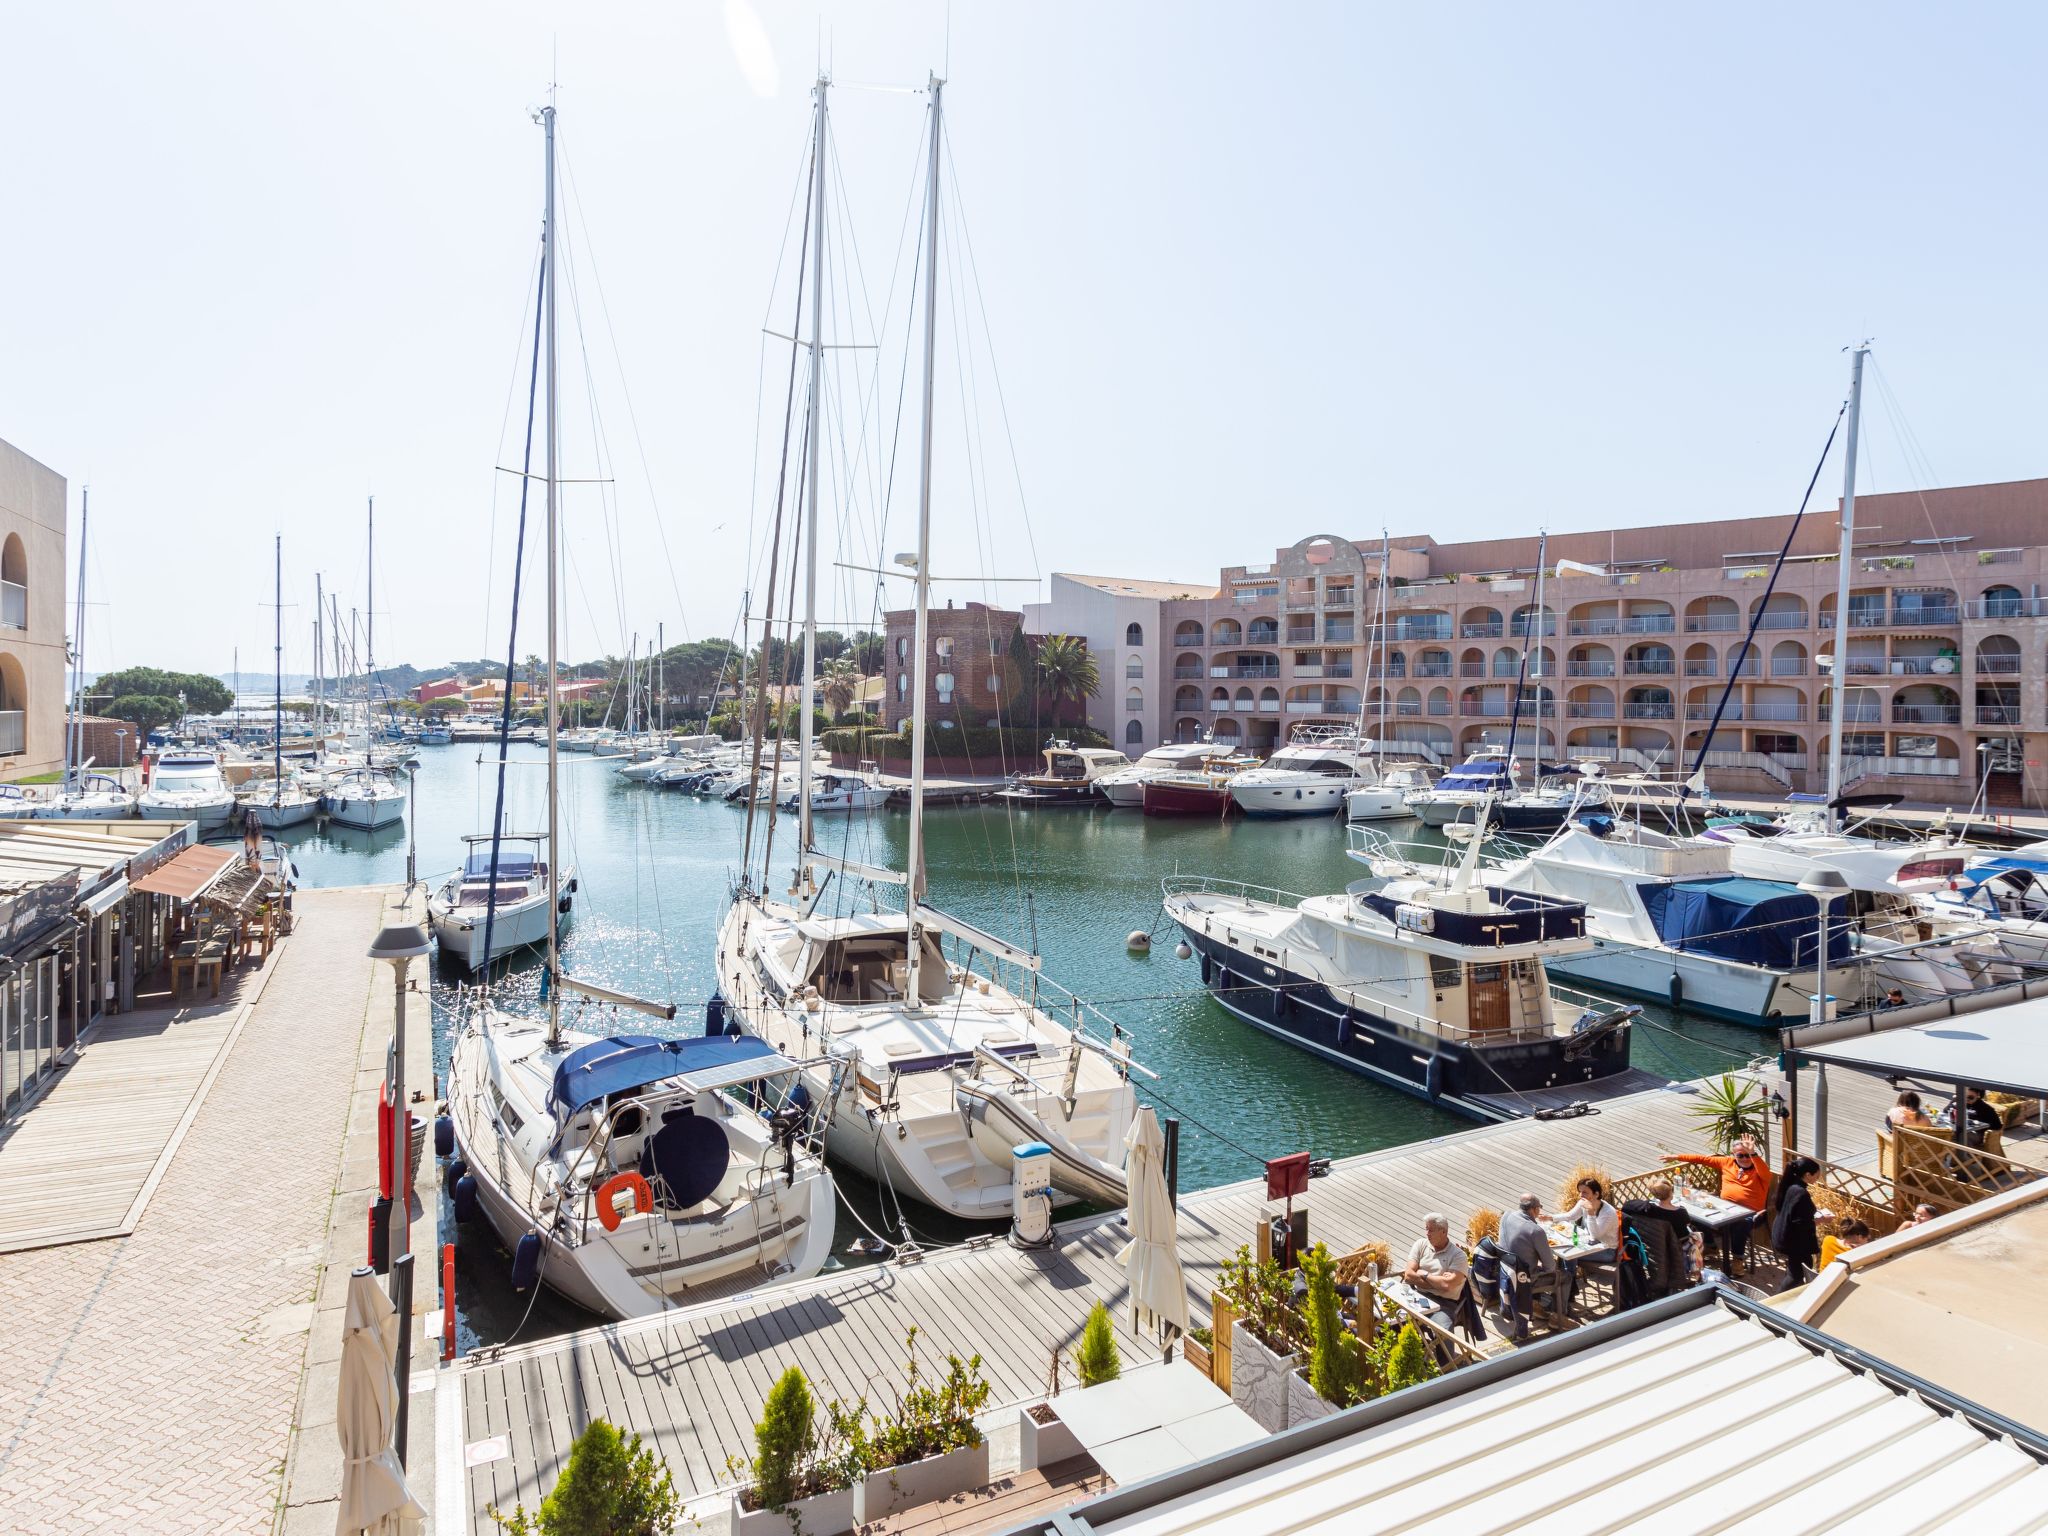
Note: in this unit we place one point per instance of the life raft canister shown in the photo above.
(608, 1194)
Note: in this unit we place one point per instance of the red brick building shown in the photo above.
(971, 677)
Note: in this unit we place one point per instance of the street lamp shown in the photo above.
(1826, 886)
(401, 944)
(412, 826)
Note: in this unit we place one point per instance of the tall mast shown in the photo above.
(549, 264)
(277, 699)
(334, 629)
(74, 739)
(1841, 668)
(913, 888)
(1542, 633)
(1379, 749)
(660, 689)
(803, 770)
(319, 671)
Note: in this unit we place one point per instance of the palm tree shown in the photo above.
(838, 681)
(1065, 672)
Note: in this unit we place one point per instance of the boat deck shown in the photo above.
(691, 1381)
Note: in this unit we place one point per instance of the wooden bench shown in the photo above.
(197, 956)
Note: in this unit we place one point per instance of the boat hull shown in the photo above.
(1188, 800)
(209, 816)
(366, 813)
(1051, 796)
(1324, 798)
(517, 925)
(1377, 805)
(1742, 994)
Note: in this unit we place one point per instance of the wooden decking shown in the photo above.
(691, 1382)
(1001, 1505)
(83, 1162)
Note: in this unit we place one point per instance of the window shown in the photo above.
(944, 683)
(995, 645)
(1134, 667)
(1134, 733)
(902, 649)
(943, 647)
(995, 682)
(902, 685)
(1134, 634)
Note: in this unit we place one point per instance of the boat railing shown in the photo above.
(1189, 885)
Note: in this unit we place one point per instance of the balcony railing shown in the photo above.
(1793, 667)
(1419, 629)
(1433, 669)
(1339, 634)
(1862, 713)
(1589, 669)
(1702, 669)
(13, 732)
(1939, 614)
(1258, 636)
(1635, 624)
(1648, 712)
(1134, 706)
(1523, 628)
(1859, 618)
(1649, 667)
(1863, 666)
(1439, 706)
(1261, 669)
(1740, 711)
(13, 607)
(1782, 619)
(1187, 639)
(1998, 662)
(1589, 711)
(1301, 637)
(2006, 607)
(1998, 714)
(1712, 623)
(1927, 714)
(1479, 631)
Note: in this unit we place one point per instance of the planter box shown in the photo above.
(936, 1477)
(1258, 1379)
(822, 1514)
(1199, 1357)
(1041, 1444)
(1304, 1403)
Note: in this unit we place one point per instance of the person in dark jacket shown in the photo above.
(1793, 1233)
(1662, 1233)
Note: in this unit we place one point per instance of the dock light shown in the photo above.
(908, 562)
(401, 944)
(1826, 886)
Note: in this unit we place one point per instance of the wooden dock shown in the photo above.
(691, 1382)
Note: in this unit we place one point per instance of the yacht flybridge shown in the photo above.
(1428, 979)
(926, 1069)
(1310, 776)
(622, 1170)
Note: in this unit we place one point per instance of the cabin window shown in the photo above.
(506, 1112)
(1443, 974)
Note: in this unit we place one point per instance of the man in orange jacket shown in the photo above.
(1745, 1181)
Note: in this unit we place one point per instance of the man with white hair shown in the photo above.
(1437, 1267)
(1527, 1245)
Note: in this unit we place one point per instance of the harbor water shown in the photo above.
(655, 868)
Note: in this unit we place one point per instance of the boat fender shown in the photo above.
(1677, 990)
(572, 885)
(466, 1198)
(714, 1016)
(1183, 950)
(526, 1261)
(608, 1195)
(444, 1135)
(563, 904)
(1433, 1077)
(457, 1169)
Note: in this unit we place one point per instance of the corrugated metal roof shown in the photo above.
(34, 851)
(1707, 1421)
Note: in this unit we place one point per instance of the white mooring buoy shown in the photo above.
(1140, 942)
(1184, 950)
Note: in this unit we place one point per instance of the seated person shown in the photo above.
(1601, 1223)
(1922, 1214)
(1663, 1228)
(1527, 1247)
(1437, 1267)
(1745, 1181)
(1851, 1234)
(1979, 1116)
(1907, 1112)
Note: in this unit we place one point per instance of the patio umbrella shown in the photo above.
(1152, 1255)
(374, 1498)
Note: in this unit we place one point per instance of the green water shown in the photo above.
(655, 868)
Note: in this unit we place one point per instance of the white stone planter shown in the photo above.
(1258, 1379)
(822, 1514)
(1304, 1403)
(1040, 1445)
(936, 1477)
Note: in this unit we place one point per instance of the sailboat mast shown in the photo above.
(319, 670)
(74, 739)
(1379, 747)
(913, 887)
(277, 699)
(660, 688)
(811, 477)
(549, 264)
(1542, 633)
(1848, 549)
(370, 632)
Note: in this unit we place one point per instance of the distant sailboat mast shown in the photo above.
(914, 885)
(74, 739)
(1842, 564)
(277, 699)
(554, 437)
(811, 478)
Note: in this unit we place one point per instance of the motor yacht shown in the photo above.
(1388, 799)
(1202, 791)
(1124, 788)
(1481, 778)
(834, 791)
(187, 786)
(1310, 776)
(91, 797)
(507, 911)
(1069, 776)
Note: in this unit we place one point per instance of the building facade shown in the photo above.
(33, 657)
(971, 678)
(1641, 637)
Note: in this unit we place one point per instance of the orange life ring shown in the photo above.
(608, 1194)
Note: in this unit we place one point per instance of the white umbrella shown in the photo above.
(374, 1497)
(1152, 1255)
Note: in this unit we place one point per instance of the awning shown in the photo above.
(105, 899)
(2004, 1050)
(626, 1062)
(190, 873)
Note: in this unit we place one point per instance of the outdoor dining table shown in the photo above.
(1711, 1211)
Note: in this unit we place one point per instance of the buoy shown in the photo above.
(465, 1198)
(444, 1135)
(1140, 941)
(526, 1261)
(1183, 949)
(621, 1183)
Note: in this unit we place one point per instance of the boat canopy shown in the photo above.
(1756, 922)
(625, 1062)
(1487, 773)
(513, 864)
(1981, 870)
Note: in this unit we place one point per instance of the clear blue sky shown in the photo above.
(1250, 272)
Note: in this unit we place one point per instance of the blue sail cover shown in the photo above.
(1981, 870)
(1756, 922)
(1479, 776)
(513, 864)
(625, 1062)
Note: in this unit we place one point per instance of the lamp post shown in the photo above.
(400, 943)
(412, 826)
(1826, 887)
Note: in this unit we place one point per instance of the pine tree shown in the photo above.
(611, 1487)
(1097, 1360)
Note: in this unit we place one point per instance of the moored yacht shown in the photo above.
(1068, 777)
(1125, 787)
(1310, 776)
(1388, 799)
(1483, 776)
(1202, 791)
(480, 914)
(187, 786)
(90, 797)
(363, 798)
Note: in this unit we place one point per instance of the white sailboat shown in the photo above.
(559, 1126)
(927, 1072)
(499, 901)
(278, 802)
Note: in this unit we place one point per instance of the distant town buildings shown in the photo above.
(1943, 650)
(33, 657)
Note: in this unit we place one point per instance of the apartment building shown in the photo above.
(970, 678)
(33, 657)
(1642, 635)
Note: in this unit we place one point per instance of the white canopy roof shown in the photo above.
(2004, 1049)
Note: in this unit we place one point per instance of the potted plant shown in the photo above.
(1336, 1375)
(1097, 1360)
(1731, 1110)
(611, 1487)
(1265, 1337)
(798, 1481)
(1042, 1437)
(1196, 1348)
(929, 1448)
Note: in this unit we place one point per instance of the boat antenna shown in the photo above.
(1841, 668)
(811, 477)
(548, 266)
(1379, 626)
(913, 869)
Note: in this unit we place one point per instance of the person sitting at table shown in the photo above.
(1907, 1112)
(1745, 1181)
(1437, 1267)
(1979, 1116)
(1922, 1214)
(1527, 1247)
(1601, 1224)
(1793, 1234)
(1850, 1234)
(1660, 1229)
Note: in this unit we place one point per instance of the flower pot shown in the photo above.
(921, 1482)
(1304, 1403)
(1043, 1437)
(1258, 1379)
(822, 1514)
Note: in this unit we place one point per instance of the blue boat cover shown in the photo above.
(513, 864)
(1981, 870)
(1757, 922)
(625, 1062)
(1488, 773)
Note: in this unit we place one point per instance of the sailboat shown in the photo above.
(925, 1071)
(84, 796)
(363, 794)
(277, 801)
(621, 1169)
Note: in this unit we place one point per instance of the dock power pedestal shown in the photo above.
(1031, 1195)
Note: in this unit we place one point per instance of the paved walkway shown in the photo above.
(151, 1379)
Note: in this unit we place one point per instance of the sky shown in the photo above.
(1214, 278)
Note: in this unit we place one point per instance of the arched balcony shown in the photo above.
(1702, 660)
(1781, 610)
(1648, 703)
(2004, 601)
(1927, 704)
(1434, 662)
(1590, 701)
(1481, 623)
(1789, 659)
(13, 708)
(1219, 700)
(1998, 656)
(1226, 632)
(1712, 615)
(1188, 632)
(1649, 658)
(1187, 700)
(1188, 665)
(13, 583)
(1262, 632)
(1528, 622)
(1589, 661)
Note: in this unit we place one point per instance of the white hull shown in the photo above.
(1377, 805)
(518, 925)
(209, 812)
(289, 811)
(364, 812)
(1706, 983)
(1321, 796)
(93, 807)
(1125, 793)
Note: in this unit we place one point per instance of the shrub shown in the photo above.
(1097, 1361)
(931, 1418)
(611, 1487)
(1335, 1367)
(785, 1440)
(1730, 1110)
(1484, 1224)
(1409, 1361)
(1263, 1299)
(1568, 1191)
